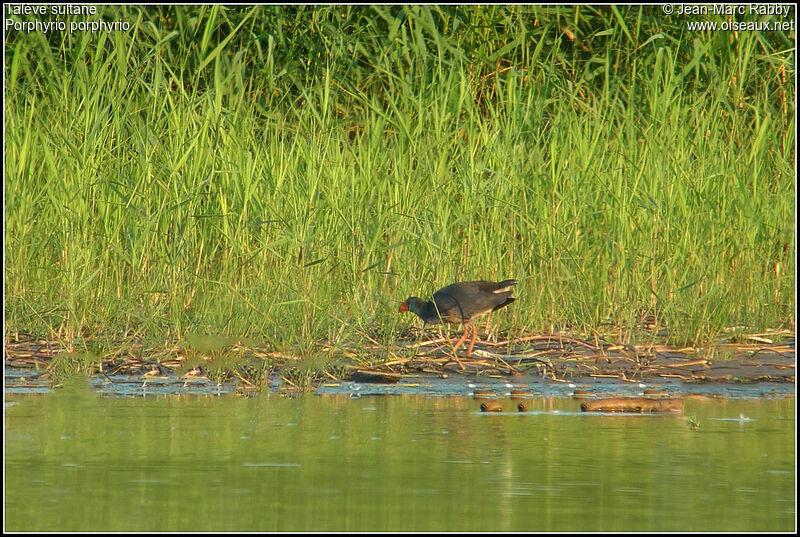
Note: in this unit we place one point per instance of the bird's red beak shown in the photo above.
(403, 307)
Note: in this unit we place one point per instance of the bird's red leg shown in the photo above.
(460, 341)
(474, 336)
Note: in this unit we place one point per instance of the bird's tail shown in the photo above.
(508, 301)
(505, 285)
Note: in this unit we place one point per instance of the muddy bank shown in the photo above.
(558, 359)
(563, 358)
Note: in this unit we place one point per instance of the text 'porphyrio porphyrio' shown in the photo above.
(460, 303)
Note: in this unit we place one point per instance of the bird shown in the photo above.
(460, 302)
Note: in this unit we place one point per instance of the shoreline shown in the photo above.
(549, 358)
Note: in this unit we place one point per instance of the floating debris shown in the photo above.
(491, 406)
(633, 404)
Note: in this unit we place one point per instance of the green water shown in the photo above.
(78, 462)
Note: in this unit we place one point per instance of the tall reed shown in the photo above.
(291, 173)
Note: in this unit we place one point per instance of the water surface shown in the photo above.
(78, 461)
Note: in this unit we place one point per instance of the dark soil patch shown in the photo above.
(562, 357)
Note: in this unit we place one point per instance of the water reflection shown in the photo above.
(79, 462)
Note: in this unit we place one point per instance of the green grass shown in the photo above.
(292, 174)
